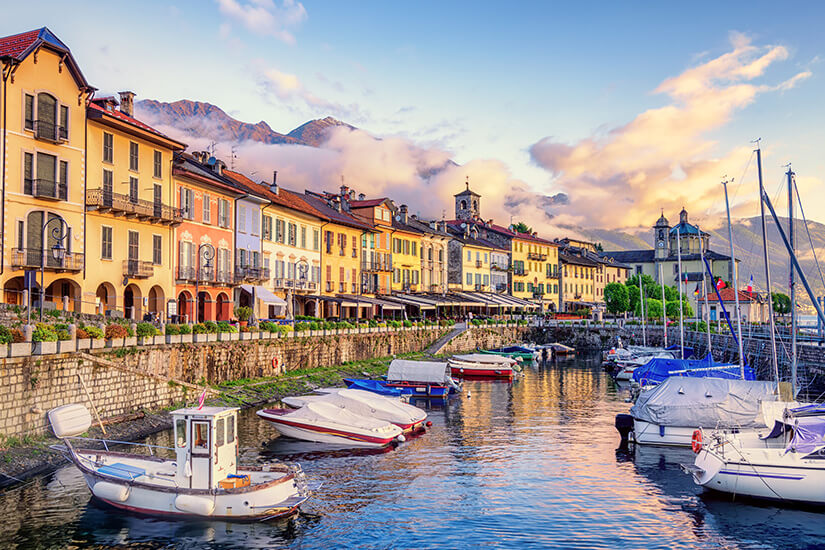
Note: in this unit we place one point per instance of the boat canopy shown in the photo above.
(658, 369)
(425, 372)
(706, 402)
(808, 435)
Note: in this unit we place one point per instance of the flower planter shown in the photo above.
(224, 336)
(158, 339)
(212, 337)
(84, 344)
(45, 348)
(66, 346)
(98, 343)
(186, 338)
(4, 350)
(130, 341)
(20, 349)
(246, 335)
(198, 338)
(145, 340)
(173, 338)
(114, 343)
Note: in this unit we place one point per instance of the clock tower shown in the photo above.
(660, 237)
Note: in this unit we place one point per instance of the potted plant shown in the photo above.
(45, 339)
(6, 339)
(243, 313)
(146, 333)
(185, 334)
(115, 335)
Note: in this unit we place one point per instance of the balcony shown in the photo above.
(297, 285)
(479, 264)
(207, 275)
(186, 273)
(495, 266)
(373, 266)
(224, 277)
(553, 275)
(249, 273)
(501, 287)
(536, 256)
(49, 131)
(329, 286)
(435, 288)
(124, 205)
(519, 272)
(538, 294)
(138, 269)
(48, 189)
(32, 258)
(479, 287)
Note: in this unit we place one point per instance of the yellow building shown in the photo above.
(130, 218)
(535, 264)
(406, 254)
(43, 127)
(469, 260)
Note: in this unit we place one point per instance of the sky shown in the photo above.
(564, 115)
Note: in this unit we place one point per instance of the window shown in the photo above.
(180, 432)
(133, 156)
(64, 122)
(328, 235)
(267, 233)
(241, 222)
(303, 236)
(256, 222)
(21, 235)
(187, 203)
(157, 249)
(414, 251)
(28, 173)
(219, 432)
(28, 122)
(158, 165)
(207, 208)
(223, 213)
(108, 147)
(469, 256)
(280, 230)
(469, 278)
(133, 190)
(106, 243)
(316, 239)
(200, 436)
(292, 234)
(230, 429)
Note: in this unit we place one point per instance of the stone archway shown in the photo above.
(13, 291)
(157, 298)
(205, 307)
(106, 297)
(65, 290)
(132, 302)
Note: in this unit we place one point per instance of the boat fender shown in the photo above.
(401, 438)
(113, 492)
(429, 423)
(696, 441)
(192, 504)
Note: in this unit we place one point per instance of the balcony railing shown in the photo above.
(250, 273)
(538, 294)
(479, 264)
(553, 275)
(49, 131)
(138, 269)
(48, 189)
(501, 287)
(496, 266)
(29, 258)
(224, 277)
(536, 256)
(377, 265)
(519, 272)
(329, 286)
(479, 287)
(295, 284)
(116, 203)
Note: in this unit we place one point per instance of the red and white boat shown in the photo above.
(327, 423)
(480, 365)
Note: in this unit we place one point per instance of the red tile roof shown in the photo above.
(728, 296)
(504, 231)
(366, 203)
(285, 197)
(16, 44)
(95, 106)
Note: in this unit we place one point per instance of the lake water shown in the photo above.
(528, 464)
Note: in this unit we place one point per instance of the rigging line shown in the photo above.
(742, 178)
(810, 240)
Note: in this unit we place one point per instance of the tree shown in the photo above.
(673, 309)
(781, 303)
(653, 308)
(522, 227)
(616, 298)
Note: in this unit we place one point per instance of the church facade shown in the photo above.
(662, 261)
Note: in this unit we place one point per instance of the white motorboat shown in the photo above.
(786, 465)
(324, 422)
(482, 365)
(669, 413)
(368, 404)
(203, 480)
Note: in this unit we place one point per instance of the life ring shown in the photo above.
(696, 441)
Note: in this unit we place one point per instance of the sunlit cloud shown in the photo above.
(664, 158)
(290, 90)
(265, 17)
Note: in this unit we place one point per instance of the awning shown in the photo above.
(264, 295)
(365, 301)
(480, 297)
(407, 300)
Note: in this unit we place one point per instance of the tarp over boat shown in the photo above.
(705, 402)
(660, 368)
(484, 358)
(424, 372)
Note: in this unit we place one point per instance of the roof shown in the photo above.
(631, 256)
(19, 46)
(367, 203)
(467, 191)
(685, 228)
(575, 259)
(186, 165)
(401, 226)
(332, 214)
(425, 227)
(95, 110)
(729, 296)
(458, 234)
(284, 197)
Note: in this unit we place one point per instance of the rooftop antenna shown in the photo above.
(467, 182)
(211, 148)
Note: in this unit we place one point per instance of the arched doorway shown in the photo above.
(156, 300)
(205, 307)
(13, 291)
(224, 309)
(106, 297)
(64, 291)
(185, 306)
(132, 302)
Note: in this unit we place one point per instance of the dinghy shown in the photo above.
(326, 423)
(203, 480)
(482, 366)
(411, 378)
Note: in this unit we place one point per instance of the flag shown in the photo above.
(696, 290)
(750, 284)
(201, 399)
(720, 284)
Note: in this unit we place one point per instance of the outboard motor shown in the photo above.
(624, 424)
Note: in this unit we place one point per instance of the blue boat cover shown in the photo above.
(807, 435)
(658, 369)
(375, 386)
(514, 349)
(121, 470)
(689, 351)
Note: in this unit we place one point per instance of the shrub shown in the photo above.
(225, 327)
(145, 330)
(5, 335)
(172, 330)
(407, 323)
(243, 313)
(116, 330)
(95, 333)
(17, 336)
(63, 334)
(81, 334)
(199, 328)
(44, 333)
(53, 313)
(249, 329)
(185, 329)
(211, 327)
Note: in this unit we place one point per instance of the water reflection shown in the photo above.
(528, 463)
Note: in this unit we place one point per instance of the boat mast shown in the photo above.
(681, 312)
(735, 272)
(705, 292)
(767, 265)
(642, 305)
(664, 303)
(792, 279)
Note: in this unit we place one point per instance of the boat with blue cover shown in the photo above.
(659, 369)
(411, 378)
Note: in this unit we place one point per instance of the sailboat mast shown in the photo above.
(792, 280)
(664, 303)
(642, 305)
(767, 265)
(705, 292)
(735, 272)
(681, 312)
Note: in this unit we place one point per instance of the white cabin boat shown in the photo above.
(203, 480)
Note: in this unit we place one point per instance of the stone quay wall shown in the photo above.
(126, 380)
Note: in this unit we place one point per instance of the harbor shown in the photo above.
(532, 462)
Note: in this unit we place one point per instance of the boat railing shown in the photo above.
(705, 369)
(151, 448)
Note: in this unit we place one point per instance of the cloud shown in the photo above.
(288, 88)
(663, 158)
(265, 17)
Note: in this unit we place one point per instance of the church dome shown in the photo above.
(662, 221)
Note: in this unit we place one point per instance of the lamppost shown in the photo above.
(301, 269)
(207, 255)
(59, 233)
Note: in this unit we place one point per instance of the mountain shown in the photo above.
(200, 119)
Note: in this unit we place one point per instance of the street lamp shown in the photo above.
(207, 251)
(59, 233)
(301, 269)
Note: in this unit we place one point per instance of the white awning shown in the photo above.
(417, 371)
(264, 295)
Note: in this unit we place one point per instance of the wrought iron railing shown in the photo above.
(101, 199)
(48, 189)
(27, 258)
(138, 269)
(49, 131)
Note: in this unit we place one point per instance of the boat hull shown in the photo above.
(486, 371)
(325, 434)
(647, 433)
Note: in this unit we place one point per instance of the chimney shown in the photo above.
(403, 211)
(344, 199)
(361, 196)
(127, 103)
(274, 186)
(218, 167)
(433, 225)
(442, 226)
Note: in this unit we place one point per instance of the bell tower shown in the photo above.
(467, 203)
(660, 237)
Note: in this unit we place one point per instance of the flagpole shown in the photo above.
(664, 302)
(642, 305)
(735, 274)
(681, 312)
